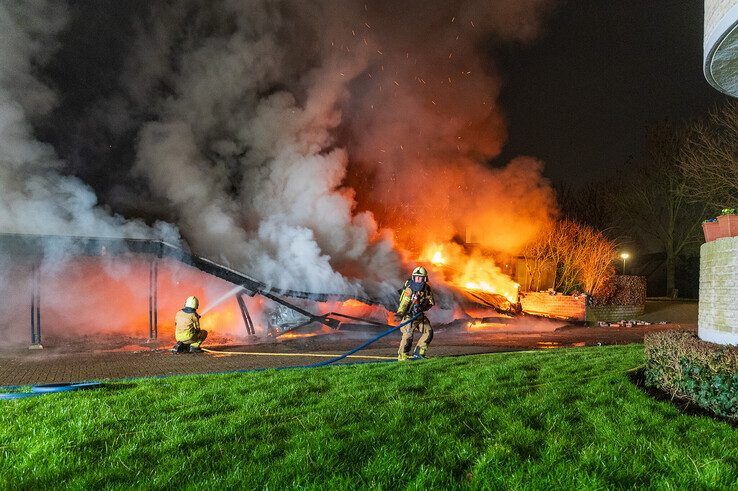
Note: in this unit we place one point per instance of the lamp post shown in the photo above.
(624, 256)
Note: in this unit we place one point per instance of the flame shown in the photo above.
(352, 303)
(477, 324)
(300, 335)
(471, 270)
(438, 259)
(219, 319)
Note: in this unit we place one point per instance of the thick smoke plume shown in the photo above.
(314, 145)
(36, 197)
(268, 108)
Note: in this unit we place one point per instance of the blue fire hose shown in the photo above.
(362, 346)
(38, 390)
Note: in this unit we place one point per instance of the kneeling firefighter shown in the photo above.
(188, 334)
(415, 298)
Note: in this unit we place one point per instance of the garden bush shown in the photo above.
(685, 366)
(621, 290)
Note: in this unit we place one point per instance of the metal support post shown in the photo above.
(245, 314)
(36, 308)
(156, 298)
(153, 299)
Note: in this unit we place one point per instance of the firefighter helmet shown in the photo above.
(420, 271)
(192, 302)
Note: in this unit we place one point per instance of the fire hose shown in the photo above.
(333, 358)
(38, 390)
(364, 345)
(303, 355)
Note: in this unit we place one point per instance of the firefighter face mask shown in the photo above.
(419, 279)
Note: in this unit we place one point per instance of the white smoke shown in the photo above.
(36, 197)
(253, 171)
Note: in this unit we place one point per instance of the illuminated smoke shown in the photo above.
(36, 197)
(426, 121)
(269, 106)
(311, 145)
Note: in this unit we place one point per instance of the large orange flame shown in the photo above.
(469, 270)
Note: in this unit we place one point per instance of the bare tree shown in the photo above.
(583, 256)
(596, 260)
(657, 200)
(709, 158)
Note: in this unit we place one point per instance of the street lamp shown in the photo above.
(624, 256)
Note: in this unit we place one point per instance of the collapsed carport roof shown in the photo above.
(51, 247)
(42, 245)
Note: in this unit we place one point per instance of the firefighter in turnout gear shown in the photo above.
(415, 298)
(187, 331)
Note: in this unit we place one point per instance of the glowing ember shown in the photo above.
(300, 335)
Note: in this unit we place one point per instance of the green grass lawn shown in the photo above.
(559, 418)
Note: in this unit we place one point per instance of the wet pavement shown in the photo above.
(64, 362)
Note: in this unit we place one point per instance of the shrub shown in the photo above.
(685, 366)
(622, 290)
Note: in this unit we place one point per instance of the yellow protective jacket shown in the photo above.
(186, 325)
(412, 302)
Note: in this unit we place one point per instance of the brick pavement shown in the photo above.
(64, 364)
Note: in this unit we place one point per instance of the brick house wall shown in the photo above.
(559, 306)
(625, 301)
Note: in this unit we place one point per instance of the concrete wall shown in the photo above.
(715, 11)
(718, 305)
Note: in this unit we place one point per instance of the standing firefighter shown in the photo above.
(415, 298)
(188, 334)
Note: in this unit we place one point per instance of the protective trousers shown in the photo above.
(195, 338)
(422, 325)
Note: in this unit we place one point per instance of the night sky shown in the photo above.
(579, 97)
(582, 95)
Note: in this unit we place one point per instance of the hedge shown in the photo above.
(685, 366)
(622, 290)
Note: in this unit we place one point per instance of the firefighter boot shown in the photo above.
(419, 352)
(404, 357)
(195, 349)
(178, 347)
